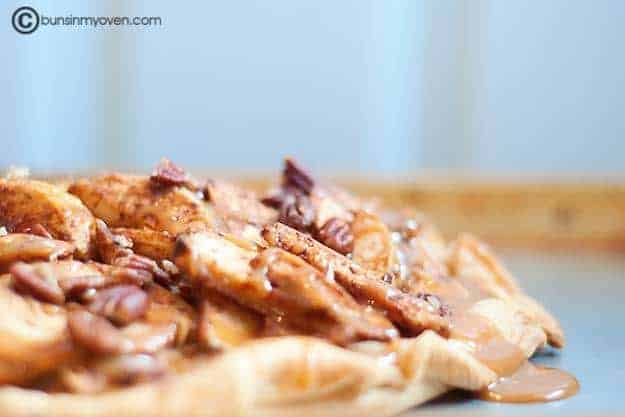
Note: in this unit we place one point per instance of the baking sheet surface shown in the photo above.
(586, 291)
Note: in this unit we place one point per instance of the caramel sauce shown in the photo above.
(486, 344)
(519, 380)
(531, 383)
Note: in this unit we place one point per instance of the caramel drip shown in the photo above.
(531, 383)
(486, 344)
(519, 380)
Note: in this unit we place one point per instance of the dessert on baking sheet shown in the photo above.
(166, 295)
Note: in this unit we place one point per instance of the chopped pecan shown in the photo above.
(297, 212)
(121, 304)
(337, 234)
(296, 176)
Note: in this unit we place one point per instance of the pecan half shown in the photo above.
(337, 234)
(141, 263)
(296, 176)
(306, 205)
(168, 174)
(121, 274)
(97, 334)
(48, 280)
(43, 287)
(273, 200)
(121, 304)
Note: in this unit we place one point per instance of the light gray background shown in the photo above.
(352, 86)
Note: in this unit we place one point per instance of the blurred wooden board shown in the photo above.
(547, 214)
(555, 214)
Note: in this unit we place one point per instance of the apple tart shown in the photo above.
(166, 295)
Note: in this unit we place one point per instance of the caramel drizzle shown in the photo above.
(531, 383)
(519, 380)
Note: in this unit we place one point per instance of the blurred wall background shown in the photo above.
(366, 87)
